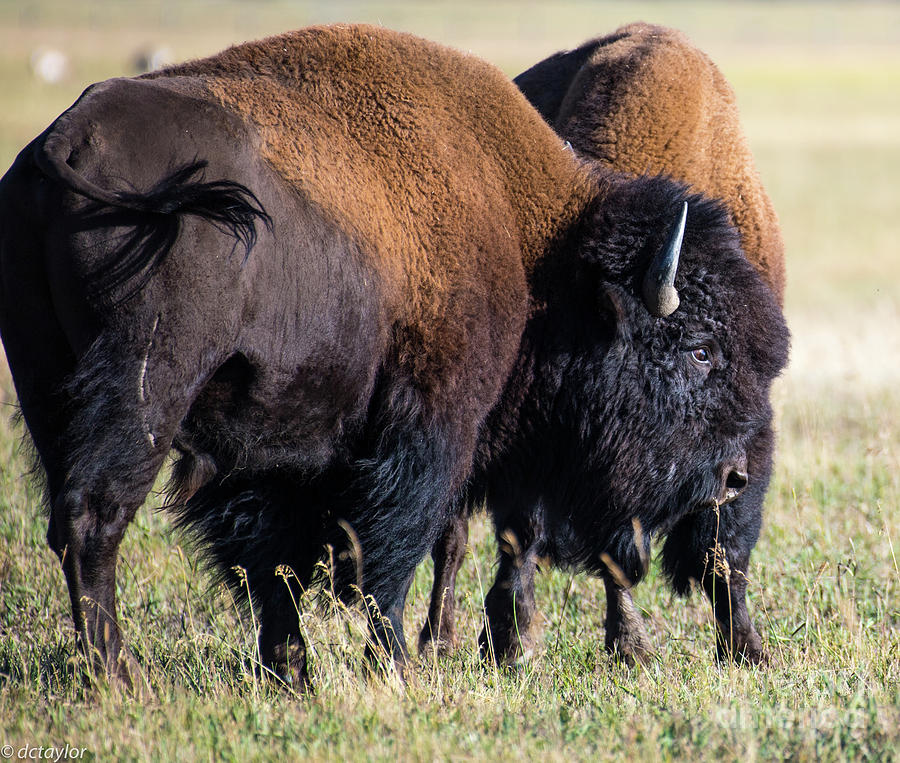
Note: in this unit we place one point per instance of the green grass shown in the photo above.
(825, 591)
(819, 90)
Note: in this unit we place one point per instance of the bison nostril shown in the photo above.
(737, 480)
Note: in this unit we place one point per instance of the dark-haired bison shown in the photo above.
(337, 271)
(644, 101)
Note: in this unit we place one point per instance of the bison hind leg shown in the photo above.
(439, 631)
(111, 443)
(260, 536)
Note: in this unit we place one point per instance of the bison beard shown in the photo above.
(407, 314)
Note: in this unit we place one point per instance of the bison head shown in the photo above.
(665, 344)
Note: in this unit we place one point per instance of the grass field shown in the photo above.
(819, 90)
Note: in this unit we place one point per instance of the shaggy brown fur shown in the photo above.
(338, 110)
(644, 100)
(336, 136)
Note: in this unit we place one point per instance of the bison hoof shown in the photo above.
(122, 675)
(631, 654)
(290, 679)
(386, 664)
(742, 651)
(286, 664)
(504, 651)
(746, 656)
(440, 645)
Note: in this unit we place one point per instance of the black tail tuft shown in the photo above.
(156, 219)
(225, 203)
(228, 205)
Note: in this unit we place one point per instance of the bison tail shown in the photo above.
(230, 206)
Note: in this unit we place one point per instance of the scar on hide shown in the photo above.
(142, 383)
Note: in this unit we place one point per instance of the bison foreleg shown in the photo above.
(439, 630)
(626, 637)
(509, 605)
(281, 644)
(736, 638)
(714, 549)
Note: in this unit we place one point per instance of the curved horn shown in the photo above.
(660, 294)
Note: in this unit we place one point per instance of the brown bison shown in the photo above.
(342, 272)
(644, 101)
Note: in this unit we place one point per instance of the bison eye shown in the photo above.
(701, 356)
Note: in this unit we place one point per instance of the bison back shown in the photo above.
(644, 100)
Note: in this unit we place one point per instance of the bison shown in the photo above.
(644, 101)
(342, 272)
